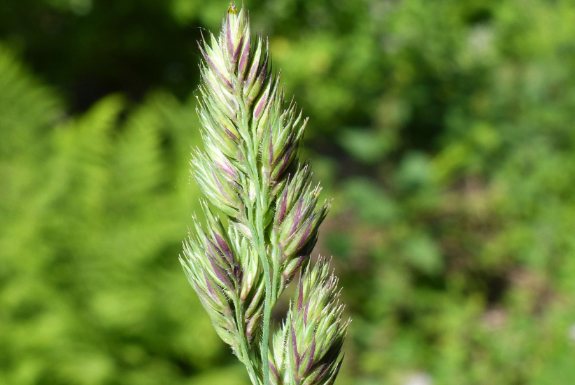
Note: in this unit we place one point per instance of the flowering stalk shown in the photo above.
(250, 172)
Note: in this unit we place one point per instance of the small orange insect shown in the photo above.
(233, 9)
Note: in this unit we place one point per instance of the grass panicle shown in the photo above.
(249, 170)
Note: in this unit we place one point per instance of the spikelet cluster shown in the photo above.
(225, 272)
(249, 171)
(306, 349)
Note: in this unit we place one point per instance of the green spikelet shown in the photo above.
(306, 349)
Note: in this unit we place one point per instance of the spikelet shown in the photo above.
(307, 348)
(225, 272)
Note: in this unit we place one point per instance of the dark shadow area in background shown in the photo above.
(123, 46)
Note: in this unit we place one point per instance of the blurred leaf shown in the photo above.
(365, 146)
(370, 202)
(423, 254)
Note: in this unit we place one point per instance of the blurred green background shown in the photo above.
(444, 129)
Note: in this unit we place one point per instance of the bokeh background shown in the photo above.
(444, 129)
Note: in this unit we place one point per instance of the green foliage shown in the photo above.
(94, 209)
(442, 128)
(459, 238)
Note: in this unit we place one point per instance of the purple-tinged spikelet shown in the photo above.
(307, 348)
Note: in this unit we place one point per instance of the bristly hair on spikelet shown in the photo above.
(249, 171)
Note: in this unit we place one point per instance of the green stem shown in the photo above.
(258, 234)
(246, 359)
(275, 286)
(257, 229)
(268, 299)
